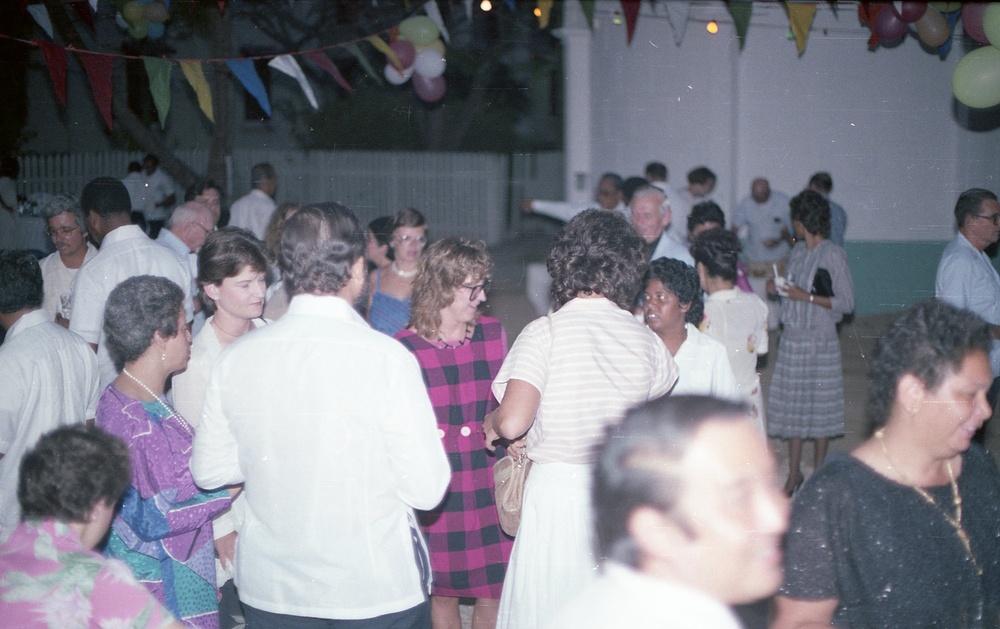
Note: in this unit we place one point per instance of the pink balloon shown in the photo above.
(972, 21)
(429, 90)
(888, 26)
(406, 52)
(912, 11)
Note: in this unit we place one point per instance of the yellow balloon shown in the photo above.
(932, 28)
(437, 45)
(991, 24)
(976, 81)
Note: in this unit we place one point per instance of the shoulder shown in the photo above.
(492, 328)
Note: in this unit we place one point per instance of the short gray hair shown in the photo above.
(188, 213)
(64, 202)
(137, 309)
(656, 193)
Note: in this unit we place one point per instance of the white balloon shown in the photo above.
(429, 63)
(392, 75)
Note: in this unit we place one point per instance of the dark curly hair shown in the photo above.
(813, 211)
(930, 341)
(597, 252)
(706, 212)
(718, 250)
(21, 284)
(444, 267)
(70, 470)
(137, 309)
(682, 280)
(319, 243)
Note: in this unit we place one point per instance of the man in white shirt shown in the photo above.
(688, 517)
(651, 216)
(330, 430)
(125, 251)
(188, 226)
(64, 222)
(680, 206)
(49, 375)
(607, 195)
(966, 278)
(765, 217)
(160, 195)
(253, 211)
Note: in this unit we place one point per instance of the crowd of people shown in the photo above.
(292, 420)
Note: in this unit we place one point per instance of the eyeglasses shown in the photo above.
(205, 229)
(478, 289)
(405, 238)
(61, 231)
(994, 218)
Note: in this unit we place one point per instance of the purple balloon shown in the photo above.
(405, 51)
(972, 21)
(912, 11)
(888, 26)
(429, 90)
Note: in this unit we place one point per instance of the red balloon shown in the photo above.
(972, 21)
(429, 90)
(888, 26)
(912, 11)
(406, 52)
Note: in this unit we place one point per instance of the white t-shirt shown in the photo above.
(252, 211)
(58, 281)
(703, 367)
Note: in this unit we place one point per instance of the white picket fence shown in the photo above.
(468, 194)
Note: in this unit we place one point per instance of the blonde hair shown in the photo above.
(444, 267)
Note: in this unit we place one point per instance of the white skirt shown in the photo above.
(553, 556)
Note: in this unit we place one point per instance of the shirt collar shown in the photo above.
(26, 321)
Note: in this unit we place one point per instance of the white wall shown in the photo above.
(881, 122)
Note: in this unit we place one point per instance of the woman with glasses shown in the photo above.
(460, 354)
(806, 399)
(389, 305)
(64, 224)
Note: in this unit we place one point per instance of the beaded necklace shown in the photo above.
(180, 420)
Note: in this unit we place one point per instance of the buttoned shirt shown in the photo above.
(58, 281)
(967, 279)
(125, 252)
(252, 211)
(703, 367)
(764, 221)
(48, 378)
(328, 424)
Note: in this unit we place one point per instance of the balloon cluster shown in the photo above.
(976, 81)
(891, 22)
(144, 18)
(421, 57)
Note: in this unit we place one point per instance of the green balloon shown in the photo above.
(420, 30)
(134, 12)
(976, 81)
(991, 24)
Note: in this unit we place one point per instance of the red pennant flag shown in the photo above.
(98, 69)
(320, 59)
(866, 14)
(222, 6)
(631, 10)
(55, 59)
(82, 9)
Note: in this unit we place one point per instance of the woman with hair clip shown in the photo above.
(460, 353)
(389, 303)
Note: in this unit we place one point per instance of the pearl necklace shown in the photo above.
(180, 420)
(404, 274)
(956, 520)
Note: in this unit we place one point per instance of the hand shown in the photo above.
(770, 287)
(516, 448)
(795, 293)
(225, 549)
(490, 436)
(234, 490)
(526, 206)
(63, 321)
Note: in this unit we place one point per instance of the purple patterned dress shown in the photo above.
(469, 552)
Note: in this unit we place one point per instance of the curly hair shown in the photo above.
(706, 212)
(21, 283)
(597, 252)
(225, 254)
(137, 309)
(717, 249)
(70, 470)
(813, 211)
(929, 340)
(319, 243)
(444, 267)
(682, 280)
(64, 202)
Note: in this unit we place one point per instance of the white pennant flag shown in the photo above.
(677, 15)
(93, 5)
(288, 65)
(434, 13)
(41, 15)
(468, 9)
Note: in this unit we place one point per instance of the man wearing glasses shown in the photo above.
(64, 223)
(186, 231)
(965, 276)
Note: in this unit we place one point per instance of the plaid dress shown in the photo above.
(469, 552)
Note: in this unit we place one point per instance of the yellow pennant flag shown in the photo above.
(544, 11)
(801, 14)
(384, 48)
(196, 77)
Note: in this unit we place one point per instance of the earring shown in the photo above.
(163, 356)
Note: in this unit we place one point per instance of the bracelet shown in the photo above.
(812, 298)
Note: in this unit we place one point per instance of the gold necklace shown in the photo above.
(956, 496)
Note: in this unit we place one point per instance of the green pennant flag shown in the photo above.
(158, 71)
(740, 12)
(363, 60)
(588, 12)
